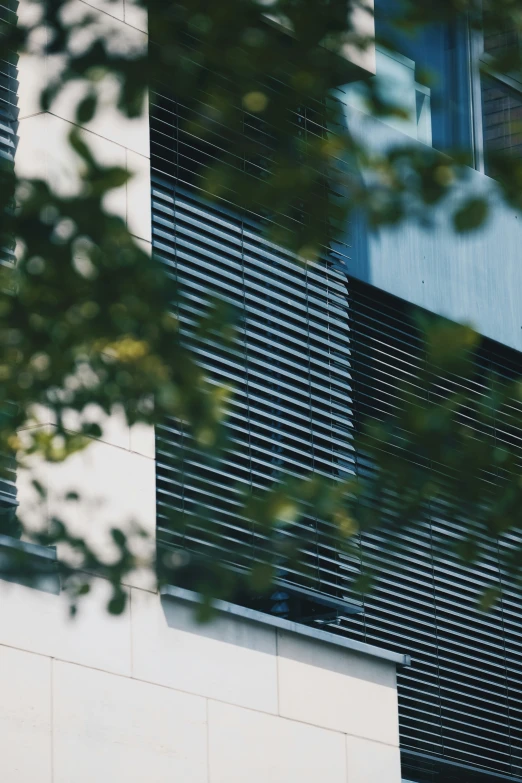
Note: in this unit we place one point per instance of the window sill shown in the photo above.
(28, 564)
(169, 591)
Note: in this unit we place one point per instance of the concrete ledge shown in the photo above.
(457, 767)
(32, 565)
(45, 553)
(253, 615)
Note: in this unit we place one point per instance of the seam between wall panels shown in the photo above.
(208, 738)
(52, 717)
(92, 132)
(286, 718)
(131, 636)
(103, 11)
(30, 116)
(100, 440)
(207, 699)
(278, 698)
(127, 207)
(111, 16)
(117, 18)
(339, 732)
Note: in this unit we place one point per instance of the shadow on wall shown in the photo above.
(250, 635)
(274, 670)
(473, 277)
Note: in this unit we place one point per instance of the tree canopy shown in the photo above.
(86, 316)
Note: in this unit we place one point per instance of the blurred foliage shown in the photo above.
(85, 314)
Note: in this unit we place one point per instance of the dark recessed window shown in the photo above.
(502, 118)
(501, 99)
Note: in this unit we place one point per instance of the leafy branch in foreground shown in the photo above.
(86, 316)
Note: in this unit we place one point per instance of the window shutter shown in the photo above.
(8, 144)
(316, 353)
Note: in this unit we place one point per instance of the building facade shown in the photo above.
(409, 681)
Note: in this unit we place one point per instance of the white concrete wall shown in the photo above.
(152, 696)
(115, 476)
(43, 150)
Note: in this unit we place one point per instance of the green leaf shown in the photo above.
(471, 215)
(42, 492)
(261, 577)
(119, 537)
(363, 583)
(92, 429)
(114, 177)
(81, 148)
(46, 98)
(467, 549)
(117, 603)
(490, 596)
(205, 610)
(86, 109)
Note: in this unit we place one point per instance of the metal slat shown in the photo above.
(8, 144)
(475, 702)
(316, 352)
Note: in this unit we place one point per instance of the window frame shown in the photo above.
(480, 65)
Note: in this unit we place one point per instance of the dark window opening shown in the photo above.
(502, 122)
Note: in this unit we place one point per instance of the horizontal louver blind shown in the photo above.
(8, 90)
(502, 113)
(7, 480)
(8, 497)
(8, 107)
(316, 354)
(462, 698)
(8, 144)
(291, 413)
(501, 105)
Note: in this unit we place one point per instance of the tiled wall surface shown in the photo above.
(115, 476)
(152, 696)
(43, 150)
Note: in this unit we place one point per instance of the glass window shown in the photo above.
(426, 73)
(501, 100)
(502, 121)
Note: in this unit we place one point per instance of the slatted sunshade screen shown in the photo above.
(501, 104)
(8, 143)
(502, 115)
(8, 106)
(316, 353)
(461, 700)
(8, 90)
(7, 494)
(291, 412)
